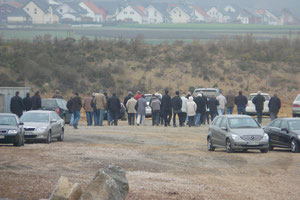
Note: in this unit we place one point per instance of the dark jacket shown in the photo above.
(36, 102)
(69, 105)
(274, 104)
(16, 105)
(212, 105)
(201, 104)
(27, 103)
(126, 99)
(241, 101)
(166, 103)
(176, 104)
(258, 101)
(114, 104)
(76, 103)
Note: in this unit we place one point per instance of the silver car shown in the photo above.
(148, 108)
(296, 106)
(43, 125)
(237, 132)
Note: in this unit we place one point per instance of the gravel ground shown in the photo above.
(161, 163)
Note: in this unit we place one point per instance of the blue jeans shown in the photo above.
(76, 118)
(241, 110)
(115, 117)
(101, 116)
(220, 111)
(197, 119)
(96, 117)
(108, 116)
(229, 110)
(71, 120)
(89, 118)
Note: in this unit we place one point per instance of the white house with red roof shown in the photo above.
(95, 13)
(133, 13)
(199, 14)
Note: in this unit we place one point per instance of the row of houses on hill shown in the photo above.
(87, 11)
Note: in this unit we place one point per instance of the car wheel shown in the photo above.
(18, 141)
(264, 150)
(49, 136)
(210, 146)
(61, 136)
(294, 146)
(228, 146)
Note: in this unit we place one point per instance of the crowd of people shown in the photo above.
(189, 109)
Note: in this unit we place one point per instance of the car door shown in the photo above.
(213, 130)
(274, 132)
(54, 124)
(223, 130)
(218, 132)
(284, 135)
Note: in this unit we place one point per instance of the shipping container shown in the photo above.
(6, 93)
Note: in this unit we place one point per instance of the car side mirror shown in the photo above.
(53, 121)
(21, 124)
(224, 128)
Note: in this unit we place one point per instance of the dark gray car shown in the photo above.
(284, 133)
(236, 132)
(11, 130)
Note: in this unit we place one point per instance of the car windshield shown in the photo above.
(294, 124)
(242, 123)
(148, 98)
(267, 97)
(49, 103)
(35, 117)
(8, 120)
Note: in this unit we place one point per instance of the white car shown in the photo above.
(148, 108)
(296, 107)
(250, 108)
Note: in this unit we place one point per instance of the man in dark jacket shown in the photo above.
(212, 105)
(114, 107)
(36, 101)
(166, 106)
(274, 107)
(107, 110)
(241, 102)
(258, 101)
(76, 105)
(176, 105)
(16, 105)
(201, 102)
(27, 102)
(230, 98)
(130, 94)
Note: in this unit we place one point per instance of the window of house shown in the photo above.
(174, 12)
(132, 13)
(125, 13)
(179, 15)
(35, 11)
(155, 13)
(8, 10)
(2, 10)
(27, 9)
(61, 10)
(155, 20)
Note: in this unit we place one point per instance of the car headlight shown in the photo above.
(235, 137)
(41, 129)
(266, 137)
(12, 132)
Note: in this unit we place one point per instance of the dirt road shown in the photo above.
(161, 163)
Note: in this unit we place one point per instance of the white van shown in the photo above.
(250, 108)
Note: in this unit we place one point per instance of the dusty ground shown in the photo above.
(161, 163)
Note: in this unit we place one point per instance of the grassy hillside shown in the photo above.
(87, 65)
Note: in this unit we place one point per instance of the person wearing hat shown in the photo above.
(258, 101)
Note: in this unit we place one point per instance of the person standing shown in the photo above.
(126, 99)
(27, 102)
(100, 102)
(182, 117)
(198, 101)
(230, 102)
(76, 107)
(130, 106)
(108, 115)
(69, 106)
(141, 110)
(274, 106)
(57, 95)
(241, 102)
(114, 107)
(138, 95)
(16, 104)
(191, 108)
(155, 106)
(176, 105)
(95, 113)
(87, 106)
(166, 104)
(152, 98)
(258, 101)
(36, 101)
(222, 103)
(213, 107)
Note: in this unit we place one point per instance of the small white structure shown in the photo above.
(215, 14)
(133, 13)
(179, 15)
(155, 16)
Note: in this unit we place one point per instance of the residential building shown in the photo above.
(13, 13)
(199, 15)
(112, 9)
(180, 14)
(215, 14)
(71, 12)
(287, 18)
(133, 13)
(94, 13)
(156, 15)
(41, 12)
(247, 16)
(268, 17)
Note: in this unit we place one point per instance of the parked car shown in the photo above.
(284, 133)
(59, 106)
(148, 108)
(250, 108)
(236, 132)
(11, 130)
(296, 107)
(208, 92)
(122, 115)
(43, 125)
